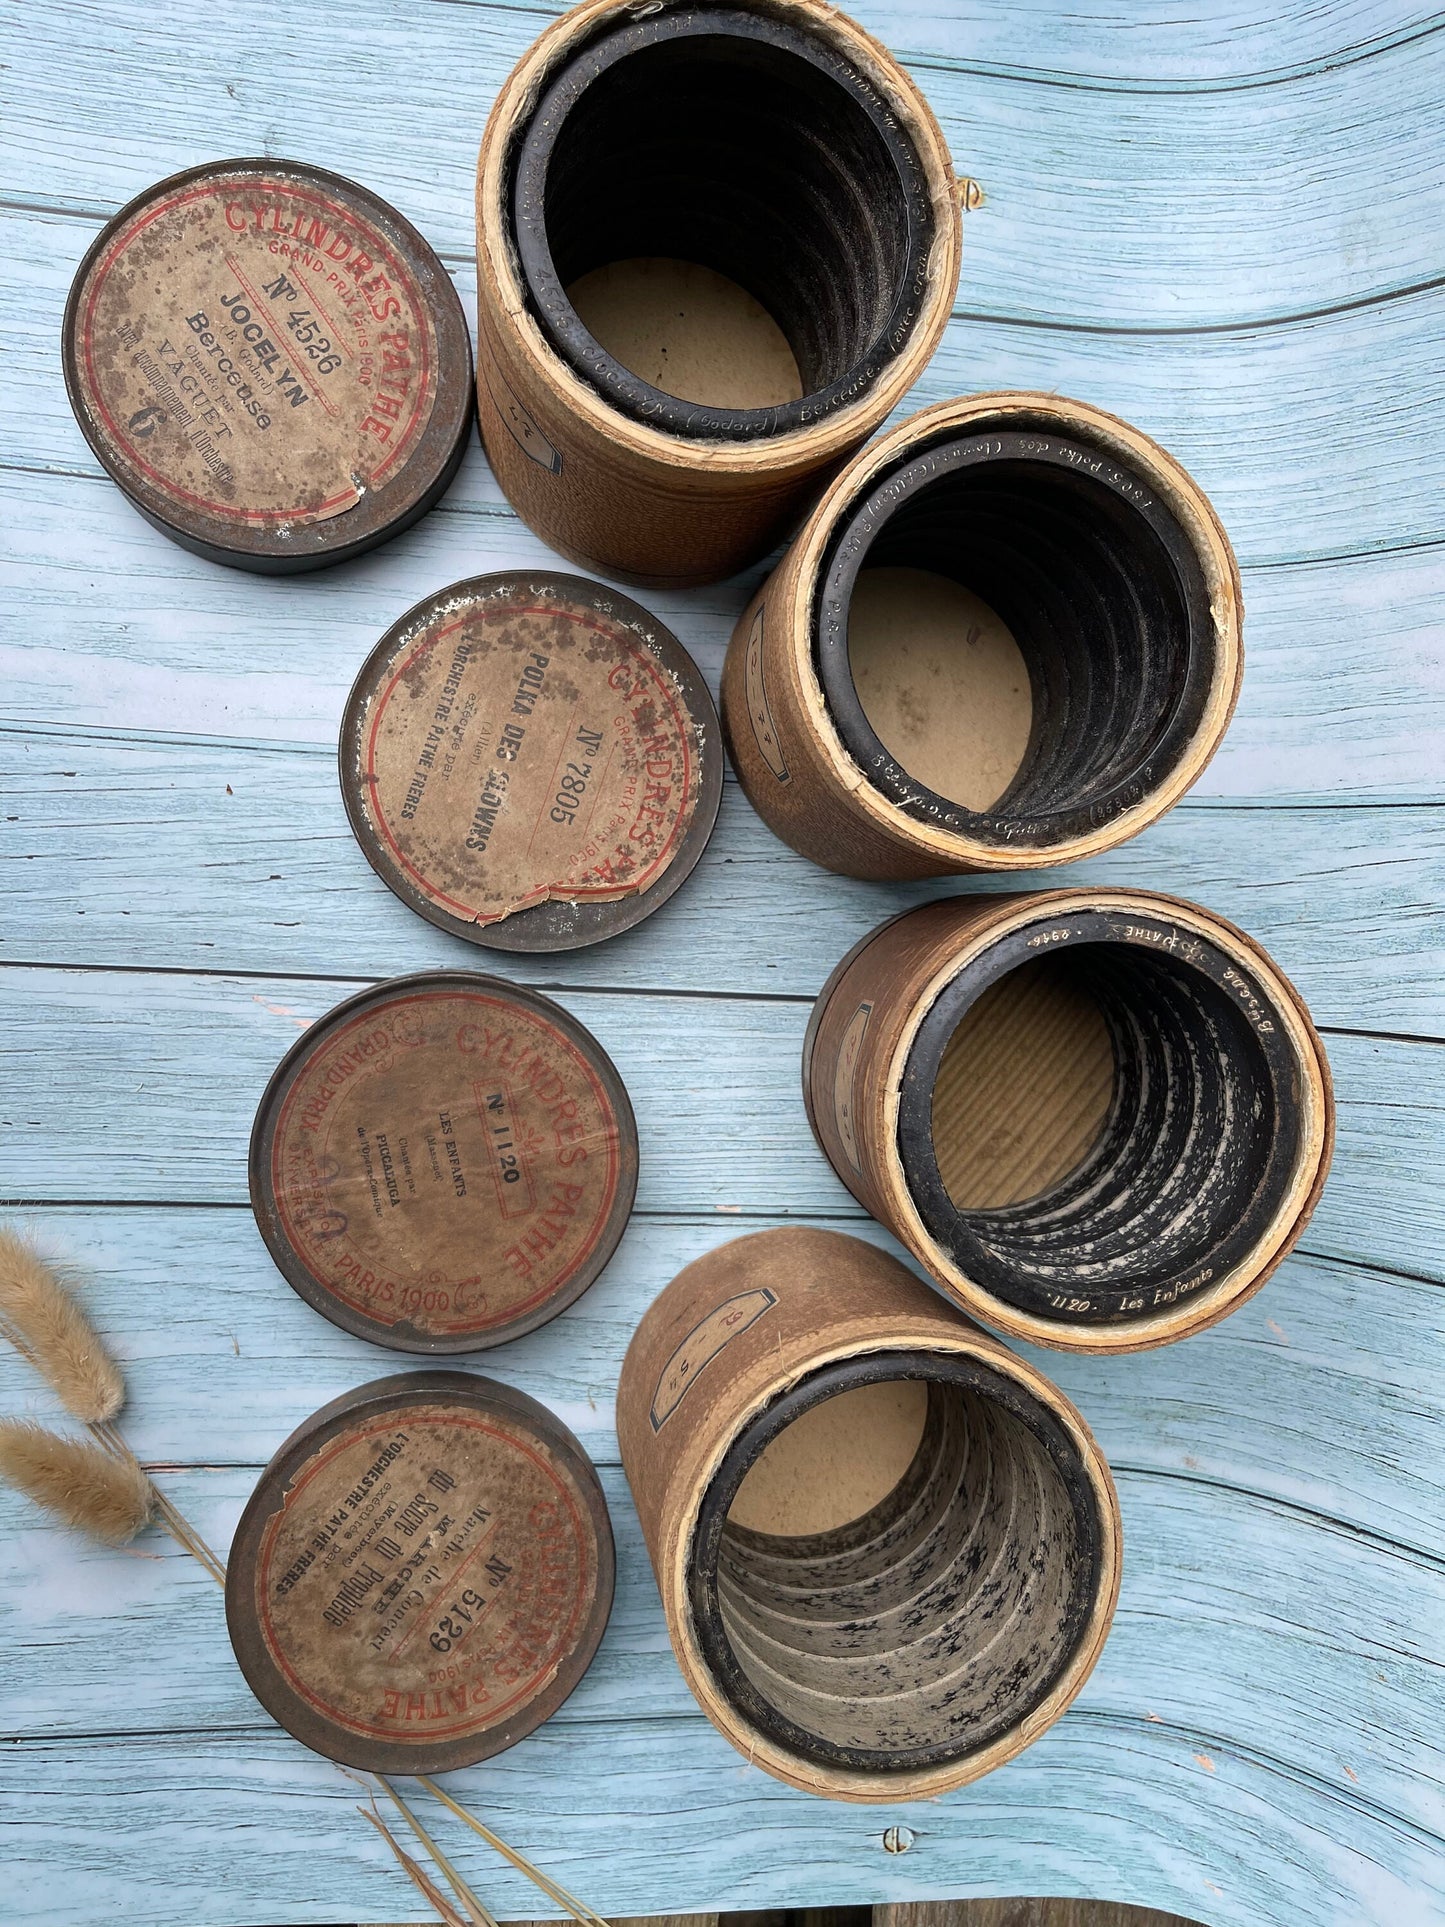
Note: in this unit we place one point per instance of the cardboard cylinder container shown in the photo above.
(1098, 1118)
(716, 245)
(1007, 636)
(888, 1549)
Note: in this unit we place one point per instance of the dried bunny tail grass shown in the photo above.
(170, 1516)
(90, 1488)
(45, 1324)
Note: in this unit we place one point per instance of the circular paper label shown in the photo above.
(446, 1160)
(426, 1575)
(255, 348)
(514, 746)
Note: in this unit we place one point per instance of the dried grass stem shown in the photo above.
(555, 1893)
(459, 1886)
(170, 1515)
(428, 1887)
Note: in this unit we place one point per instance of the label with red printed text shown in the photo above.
(255, 348)
(513, 746)
(425, 1574)
(446, 1159)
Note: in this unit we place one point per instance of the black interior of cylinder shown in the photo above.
(1106, 600)
(1196, 1155)
(923, 1631)
(728, 139)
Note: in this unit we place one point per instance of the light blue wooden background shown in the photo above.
(1224, 221)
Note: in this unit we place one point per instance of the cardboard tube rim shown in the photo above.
(1307, 1179)
(696, 1471)
(499, 281)
(801, 573)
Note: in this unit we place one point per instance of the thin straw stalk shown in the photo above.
(169, 1514)
(459, 1886)
(553, 1891)
(102, 1488)
(428, 1887)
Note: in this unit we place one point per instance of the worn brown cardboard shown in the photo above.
(1092, 1189)
(731, 1347)
(1098, 776)
(422, 1574)
(1024, 1088)
(834, 1463)
(690, 331)
(611, 489)
(443, 1163)
(942, 681)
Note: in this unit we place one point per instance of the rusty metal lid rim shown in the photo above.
(397, 1391)
(432, 465)
(560, 923)
(299, 561)
(404, 1337)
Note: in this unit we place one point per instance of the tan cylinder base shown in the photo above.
(619, 494)
(1098, 1118)
(1132, 646)
(953, 1612)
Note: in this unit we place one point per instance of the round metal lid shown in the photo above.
(443, 1163)
(531, 761)
(422, 1574)
(271, 362)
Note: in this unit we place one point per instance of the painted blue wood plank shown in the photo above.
(1319, 192)
(1261, 1744)
(1245, 1645)
(1313, 437)
(1083, 226)
(1343, 699)
(135, 1087)
(668, 1818)
(259, 869)
(1220, 46)
(1327, 472)
(1324, 1393)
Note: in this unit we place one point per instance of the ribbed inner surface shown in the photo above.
(1180, 1160)
(933, 1623)
(1092, 599)
(745, 158)
(1024, 1088)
